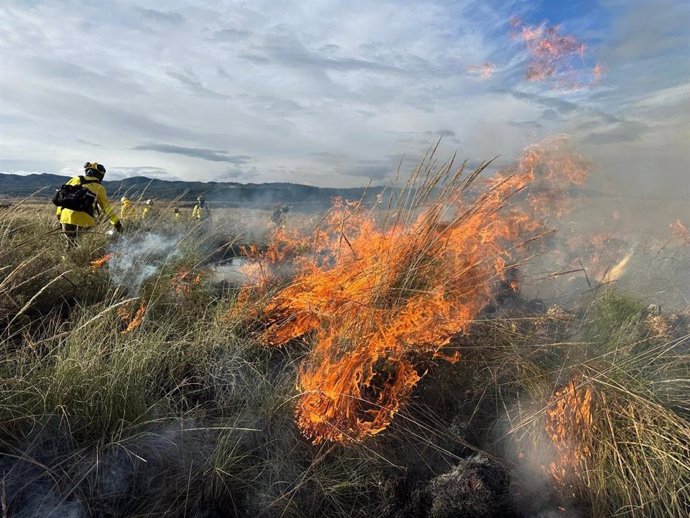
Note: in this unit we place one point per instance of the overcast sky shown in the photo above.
(336, 92)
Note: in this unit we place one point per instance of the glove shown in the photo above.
(118, 227)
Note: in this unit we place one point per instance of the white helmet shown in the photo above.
(123, 199)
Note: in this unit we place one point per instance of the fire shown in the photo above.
(618, 269)
(569, 424)
(184, 281)
(597, 252)
(557, 170)
(377, 292)
(597, 73)
(680, 231)
(380, 297)
(131, 320)
(553, 56)
(97, 264)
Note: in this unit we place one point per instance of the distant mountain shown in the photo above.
(229, 194)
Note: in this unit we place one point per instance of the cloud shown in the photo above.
(329, 93)
(285, 49)
(119, 172)
(528, 125)
(188, 79)
(205, 154)
(621, 132)
(556, 104)
(166, 17)
(230, 34)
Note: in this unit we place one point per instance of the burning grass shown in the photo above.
(613, 436)
(378, 293)
(400, 338)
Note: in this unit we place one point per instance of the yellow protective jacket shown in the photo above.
(82, 219)
(127, 210)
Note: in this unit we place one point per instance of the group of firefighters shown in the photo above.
(83, 198)
(129, 211)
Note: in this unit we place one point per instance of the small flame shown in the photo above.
(131, 321)
(619, 269)
(597, 73)
(184, 281)
(680, 231)
(554, 56)
(569, 424)
(97, 264)
(483, 71)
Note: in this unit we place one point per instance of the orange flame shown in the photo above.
(131, 321)
(554, 56)
(97, 264)
(184, 281)
(680, 231)
(376, 298)
(569, 423)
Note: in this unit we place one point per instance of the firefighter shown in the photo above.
(279, 215)
(200, 211)
(147, 208)
(87, 197)
(178, 214)
(127, 209)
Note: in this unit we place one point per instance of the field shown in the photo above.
(156, 374)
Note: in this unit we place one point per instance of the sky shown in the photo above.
(340, 93)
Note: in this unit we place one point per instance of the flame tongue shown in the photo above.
(97, 264)
(374, 299)
(380, 295)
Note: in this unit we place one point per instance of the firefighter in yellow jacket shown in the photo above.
(200, 211)
(146, 210)
(127, 210)
(93, 201)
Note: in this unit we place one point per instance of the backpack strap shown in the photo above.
(84, 181)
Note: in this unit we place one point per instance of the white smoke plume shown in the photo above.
(134, 259)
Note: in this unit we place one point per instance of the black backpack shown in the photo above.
(76, 197)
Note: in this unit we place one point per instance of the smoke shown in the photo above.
(135, 259)
(53, 478)
(230, 273)
(535, 494)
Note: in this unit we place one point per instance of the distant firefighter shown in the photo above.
(127, 209)
(279, 215)
(81, 200)
(147, 209)
(201, 210)
(178, 214)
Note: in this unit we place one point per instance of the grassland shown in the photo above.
(585, 409)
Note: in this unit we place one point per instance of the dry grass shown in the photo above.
(189, 414)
